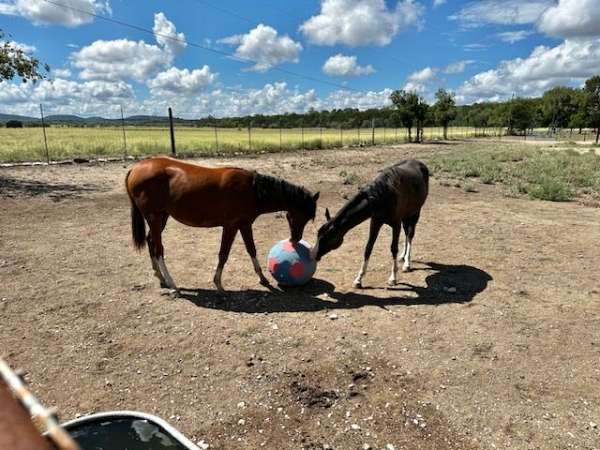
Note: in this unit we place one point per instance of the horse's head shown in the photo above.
(299, 215)
(329, 238)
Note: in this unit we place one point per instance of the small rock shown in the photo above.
(275, 327)
(593, 425)
(203, 445)
(241, 405)
(333, 316)
(389, 447)
(241, 422)
(355, 427)
(366, 447)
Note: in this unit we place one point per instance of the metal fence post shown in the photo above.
(124, 138)
(302, 130)
(44, 131)
(341, 137)
(280, 138)
(173, 151)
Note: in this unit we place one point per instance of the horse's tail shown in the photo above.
(138, 224)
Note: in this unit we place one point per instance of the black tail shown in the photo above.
(138, 224)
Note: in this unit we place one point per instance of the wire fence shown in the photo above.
(43, 142)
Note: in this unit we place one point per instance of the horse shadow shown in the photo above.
(15, 187)
(445, 284)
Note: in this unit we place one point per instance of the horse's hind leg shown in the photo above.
(410, 225)
(226, 242)
(157, 224)
(373, 233)
(394, 249)
(248, 237)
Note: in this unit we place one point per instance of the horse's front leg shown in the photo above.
(373, 233)
(226, 241)
(394, 249)
(248, 237)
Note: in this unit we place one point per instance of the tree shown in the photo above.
(444, 109)
(421, 108)
(14, 124)
(405, 103)
(558, 105)
(14, 62)
(521, 114)
(592, 102)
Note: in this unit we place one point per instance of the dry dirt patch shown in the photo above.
(493, 339)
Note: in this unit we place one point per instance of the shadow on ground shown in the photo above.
(445, 284)
(15, 187)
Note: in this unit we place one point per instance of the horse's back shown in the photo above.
(193, 194)
(402, 189)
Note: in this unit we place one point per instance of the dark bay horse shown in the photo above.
(395, 198)
(198, 196)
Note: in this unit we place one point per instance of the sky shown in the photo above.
(238, 57)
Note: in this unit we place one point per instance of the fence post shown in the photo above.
(341, 137)
(358, 134)
(280, 138)
(372, 131)
(124, 138)
(321, 133)
(302, 130)
(250, 136)
(172, 131)
(383, 134)
(216, 138)
(44, 131)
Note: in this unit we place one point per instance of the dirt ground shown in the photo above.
(491, 342)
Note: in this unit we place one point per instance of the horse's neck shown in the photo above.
(273, 205)
(353, 214)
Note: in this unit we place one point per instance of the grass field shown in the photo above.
(555, 175)
(27, 144)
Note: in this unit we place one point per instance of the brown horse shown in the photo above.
(395, 198)
(198, 196)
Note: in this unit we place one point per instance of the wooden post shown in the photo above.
(302, 130)
(341, 137)
(216, 138)
(372, 131)
(280, 138)
(124, 138)
(173, 151)
(250, 136)
(44, 131)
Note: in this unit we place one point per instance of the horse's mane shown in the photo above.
(381, 192)
(268, 188)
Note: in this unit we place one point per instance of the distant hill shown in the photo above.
(70, 119)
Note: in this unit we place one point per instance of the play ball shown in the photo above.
(291, 264)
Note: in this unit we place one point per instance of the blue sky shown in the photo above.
(292, 56)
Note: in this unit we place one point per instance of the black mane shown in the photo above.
(381, 192)
(273, 189)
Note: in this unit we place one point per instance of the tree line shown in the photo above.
(558, 108)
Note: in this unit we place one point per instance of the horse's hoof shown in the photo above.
(171, 292)
(264, 282)
(357, 284)
(406, 269)
(392, 282)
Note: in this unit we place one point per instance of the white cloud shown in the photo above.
(65, 96)
(61, 73)
(120, 59)
(41, 12)
(424, 75)
(167, 36)
(360, 22)
(502, 12)
(265, 47)
(181, 81)
(457, 67)
(344, 66)
(437, 3)
(571, 18)
(513, 36)
(568, 63)
(123, 59)
(25, 48)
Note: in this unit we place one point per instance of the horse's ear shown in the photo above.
(316, 196)
(327, 215)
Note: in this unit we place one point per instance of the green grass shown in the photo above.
(27, 144)
(545, 175)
